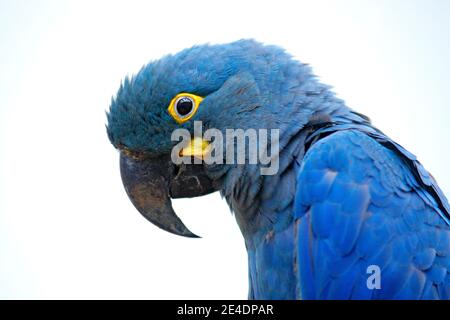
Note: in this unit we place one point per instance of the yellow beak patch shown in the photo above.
(197, 147)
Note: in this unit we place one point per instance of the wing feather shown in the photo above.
(359, 204)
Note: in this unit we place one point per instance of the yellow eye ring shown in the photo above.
(184, 106)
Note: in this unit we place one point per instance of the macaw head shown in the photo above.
(226, 86)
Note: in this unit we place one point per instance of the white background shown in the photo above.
(67, 229)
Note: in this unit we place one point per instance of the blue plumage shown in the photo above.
(345, 198)
(397, 236)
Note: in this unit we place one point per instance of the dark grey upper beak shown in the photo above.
(151, 182)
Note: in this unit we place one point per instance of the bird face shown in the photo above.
(215, 85)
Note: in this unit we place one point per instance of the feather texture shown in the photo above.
(373, 214)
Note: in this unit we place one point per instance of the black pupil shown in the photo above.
(184, 106)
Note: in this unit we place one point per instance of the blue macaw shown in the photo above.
(346, 204)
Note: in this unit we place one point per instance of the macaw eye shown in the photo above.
(184, 106)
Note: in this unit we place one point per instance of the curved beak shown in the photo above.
(150, 183)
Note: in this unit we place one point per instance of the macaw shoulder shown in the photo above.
(358, 205)
(354, 158)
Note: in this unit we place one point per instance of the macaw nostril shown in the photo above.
(136, 155)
